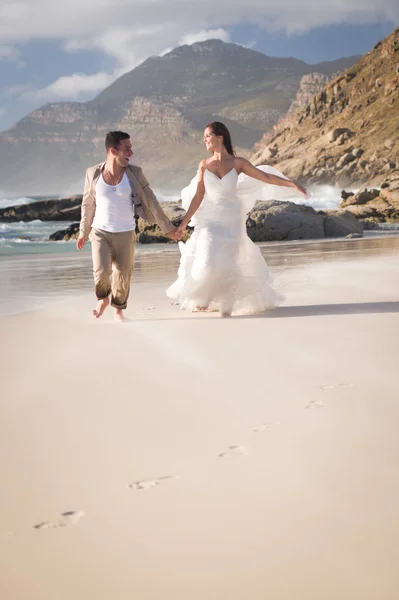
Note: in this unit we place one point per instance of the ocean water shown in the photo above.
(32, 237)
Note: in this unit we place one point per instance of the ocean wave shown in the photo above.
(167, 198)
(323, 197)
(21, 225)
(29, 228)
(8, 242)
(26, 241)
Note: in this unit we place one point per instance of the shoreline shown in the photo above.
(27, 247)
(33, 281)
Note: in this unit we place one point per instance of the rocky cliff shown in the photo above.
(309, 86)
(349, 133)
(164, 103)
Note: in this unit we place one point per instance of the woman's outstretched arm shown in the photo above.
(244, 166)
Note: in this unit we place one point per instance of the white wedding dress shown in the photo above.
(220, 267)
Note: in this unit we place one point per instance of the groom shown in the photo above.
(115, 194)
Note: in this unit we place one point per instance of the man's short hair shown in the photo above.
(114, 138)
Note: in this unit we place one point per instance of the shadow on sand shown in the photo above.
(312, 310)
(317, 310)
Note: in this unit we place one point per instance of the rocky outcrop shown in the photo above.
(275, 221)
(374, 206)
(348, 134)
(269, 221)
(310, 85)
(278, 221)
(151, 234)
(59, 209)
(70, 233)
(146, 233)
(341, 223)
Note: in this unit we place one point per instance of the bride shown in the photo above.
(221, 269)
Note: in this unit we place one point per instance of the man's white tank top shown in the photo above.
(114, 206)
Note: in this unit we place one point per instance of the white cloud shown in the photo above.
(129, 31)
(174, 19)
(122, 43)
(71, 87)
(250, 44)
(206, 34)
(13, 11)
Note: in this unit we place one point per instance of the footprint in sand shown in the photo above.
(67, 519)
(148, 308)
(324, 388)
(315, 404)
(234, 451)
(150, 483)
(70, 518)
(44, 525)
(337, 386)
(263, 427)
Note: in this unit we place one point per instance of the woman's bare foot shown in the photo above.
(200, 309)
(119, 315)
(101, 306)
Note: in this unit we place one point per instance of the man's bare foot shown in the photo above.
(119, 315)
(101, 306)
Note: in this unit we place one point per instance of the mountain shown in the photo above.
(349, 133)
(164, 104)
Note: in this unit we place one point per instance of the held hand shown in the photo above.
(80, 243)
(181, 230)
(172, 235)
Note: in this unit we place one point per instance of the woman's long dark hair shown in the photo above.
(219, 128)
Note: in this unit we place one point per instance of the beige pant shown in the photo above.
(113, 254)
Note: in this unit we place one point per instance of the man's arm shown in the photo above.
(87, 213)
(159, 215)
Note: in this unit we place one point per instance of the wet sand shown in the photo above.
(32, 281)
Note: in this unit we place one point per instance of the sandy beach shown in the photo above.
(182, 456)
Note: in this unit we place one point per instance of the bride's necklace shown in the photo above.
(119, 178)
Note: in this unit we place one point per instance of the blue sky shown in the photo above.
(66, 58)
